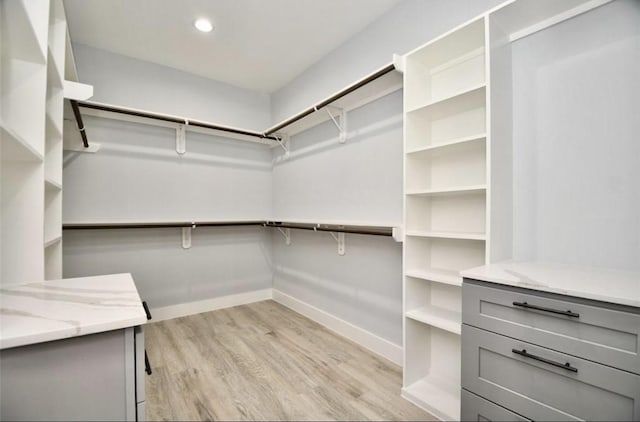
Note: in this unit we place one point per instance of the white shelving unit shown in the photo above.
(33, 34)
(446, 175)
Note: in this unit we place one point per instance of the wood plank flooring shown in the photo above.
(265, 362)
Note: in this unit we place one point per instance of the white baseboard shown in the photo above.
(192, 308)
(370, 341)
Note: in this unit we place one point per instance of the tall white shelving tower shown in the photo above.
(33, 36)
(445, 185)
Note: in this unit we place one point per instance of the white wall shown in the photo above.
(135, 83)
(576, 107)
(408, 25)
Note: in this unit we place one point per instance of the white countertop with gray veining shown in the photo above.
(608, 286)
(57, 309)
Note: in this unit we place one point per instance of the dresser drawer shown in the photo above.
(599, 334)
(535, 382)
(475, 408)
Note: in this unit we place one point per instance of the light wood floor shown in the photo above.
(265, 362)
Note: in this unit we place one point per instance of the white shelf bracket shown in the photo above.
(342, 125)
(341, 243)
(186, 236)
(287, 235)
(283, 141)
(181, 138)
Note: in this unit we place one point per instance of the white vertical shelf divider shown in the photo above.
(33, 34)
(53, 142)
(446, 137)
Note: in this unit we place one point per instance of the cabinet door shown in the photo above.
(592, 332)
(80, 378)
(542, 384)
(475, 408)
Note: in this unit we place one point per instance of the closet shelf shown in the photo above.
(376, 85)
(450, 99)
(450, 277)
(435, 316)
(54, 131)
(52, 185)
(54, 75)
(459, 141)
(52, 241)
(455, 190)
(25, 42)
(337, 228)
(446, 235)
(16, 148)
(432, 393)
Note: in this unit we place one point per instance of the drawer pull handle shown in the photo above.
(542, 308)
(524, 353)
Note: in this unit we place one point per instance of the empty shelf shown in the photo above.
(450, 277)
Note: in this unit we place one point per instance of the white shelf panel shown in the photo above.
(447, 235)
(450, 277)
(435, 316)
(15, 148)
(52, 185)
(459, 141)
(53, 129)
(455, 190)
(21, 23)
(431, 394)
(54, 75)
(52, 241)
(450, 100)
(375, 89)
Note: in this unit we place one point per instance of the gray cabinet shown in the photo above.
(92, 377)
(555, 358)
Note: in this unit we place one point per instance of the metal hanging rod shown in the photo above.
(164, 225)
(331, 99)
(335, 228)
(81, 128)
(173, 119)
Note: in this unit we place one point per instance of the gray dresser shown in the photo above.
(535, 355)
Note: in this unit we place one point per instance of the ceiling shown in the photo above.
(256, 44)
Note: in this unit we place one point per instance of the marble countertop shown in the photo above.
(57, 309)
(608, 286)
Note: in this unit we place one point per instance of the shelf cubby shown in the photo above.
(426, 254)
(447, 121)
(447, 66)
(462, 213)
(449, 277)
(434, 304)
(459, 165)
(432, 369)
(53, 260)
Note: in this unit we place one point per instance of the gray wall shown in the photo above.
(576, 107)
(405, 27)
(138, 176)
(359, 182)
(135, 83)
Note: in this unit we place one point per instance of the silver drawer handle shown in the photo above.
(524, 353)
(542, 308)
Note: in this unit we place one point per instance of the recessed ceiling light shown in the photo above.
(203, 25)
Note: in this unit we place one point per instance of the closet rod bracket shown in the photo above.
(287, 235)
(181, 137)
(340, 238)
(186, 236)
(283, 141)
(342, 124)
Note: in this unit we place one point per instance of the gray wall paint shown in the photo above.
(137, 175)
(363, 287)
(576, 101)
(358, 182)
(220, 262)
(135, 83)
(407, 26)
